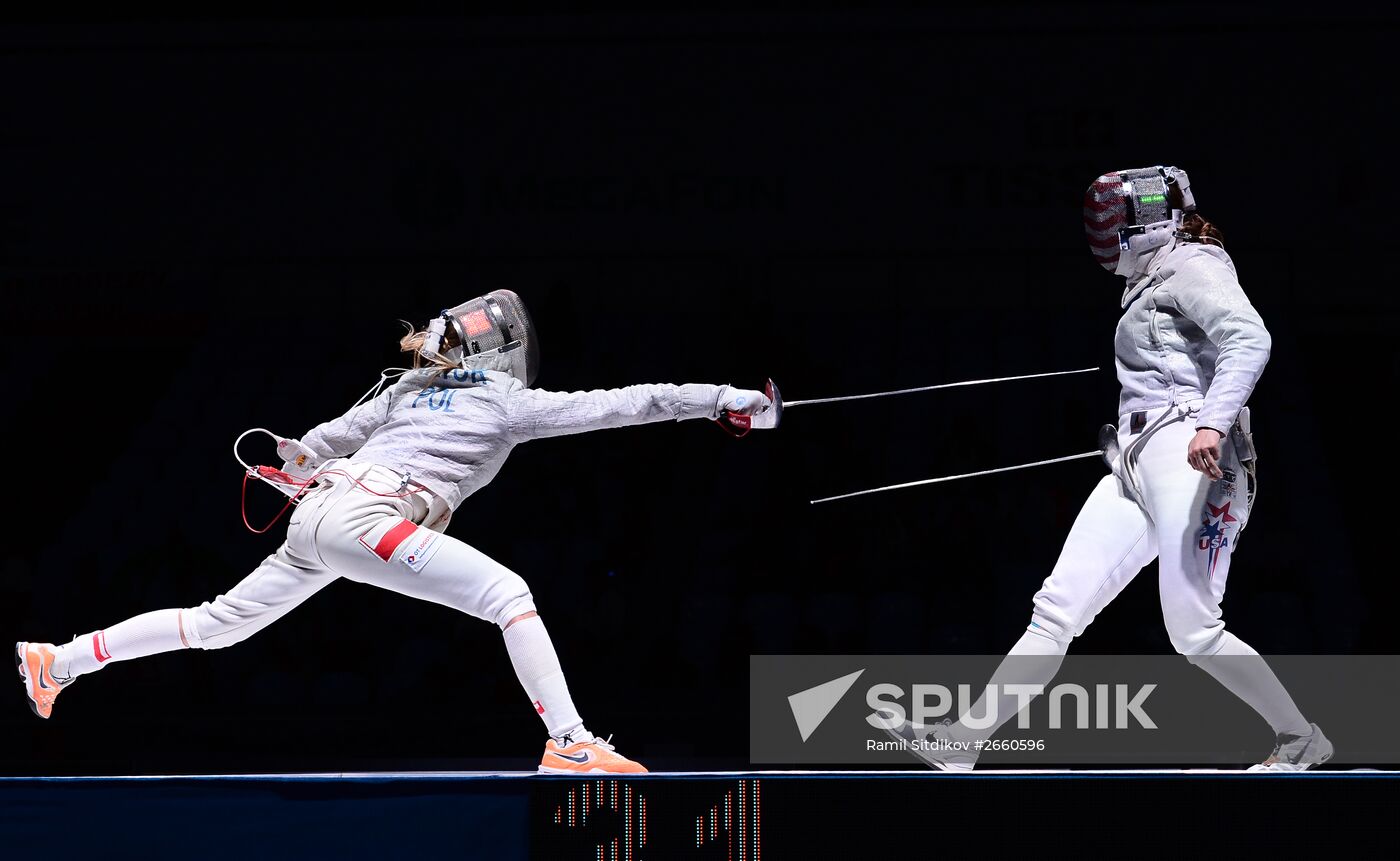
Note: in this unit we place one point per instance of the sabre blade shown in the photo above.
(791, 404)
(956, 477)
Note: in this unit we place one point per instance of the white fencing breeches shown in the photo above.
(1165, 510)
(343, 530)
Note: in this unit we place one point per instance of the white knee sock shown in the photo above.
(1247, 675)
(1034, 660)
(537, 666)
(137, 637)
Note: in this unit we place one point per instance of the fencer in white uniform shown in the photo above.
(1189, 350)
(385, 479)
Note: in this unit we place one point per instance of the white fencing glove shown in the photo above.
(743, 410)
(746, 402)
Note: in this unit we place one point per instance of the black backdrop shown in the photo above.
(214, 223)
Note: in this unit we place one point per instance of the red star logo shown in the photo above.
(1223, 510)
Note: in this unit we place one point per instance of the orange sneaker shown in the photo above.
(586, 757)
(35, 663)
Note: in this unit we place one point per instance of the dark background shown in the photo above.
(211, 223)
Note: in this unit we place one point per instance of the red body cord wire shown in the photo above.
(278, 475)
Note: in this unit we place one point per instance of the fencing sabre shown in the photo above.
(739, 425)
(1108, 450)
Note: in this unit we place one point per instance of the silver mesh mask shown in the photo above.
(1130, 213)
(491, 331)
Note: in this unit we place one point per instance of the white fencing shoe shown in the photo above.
(933, 745)
(1297, 752)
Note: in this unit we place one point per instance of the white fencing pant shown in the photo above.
(1164, 510)
(364, 531)
(342, 530)
(1181, 517)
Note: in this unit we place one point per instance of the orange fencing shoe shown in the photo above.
(586, 757)
(35, 663)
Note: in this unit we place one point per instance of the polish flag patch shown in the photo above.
(539, 707)
(384, 539)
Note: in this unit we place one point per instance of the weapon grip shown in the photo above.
(738, 425)
(735, 424)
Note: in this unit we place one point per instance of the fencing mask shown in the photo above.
(1129, 214)
(492, 331)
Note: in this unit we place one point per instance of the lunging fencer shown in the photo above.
(1189, 350)
(377, 487)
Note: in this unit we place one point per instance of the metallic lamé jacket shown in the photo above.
(1187, 332)
(452, 432)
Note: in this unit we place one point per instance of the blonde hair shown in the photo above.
(413, 341)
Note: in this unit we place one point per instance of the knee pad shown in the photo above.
(1197, 642)
(222, 622)
(1050, 628)
(189, 629)
(511, 598)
